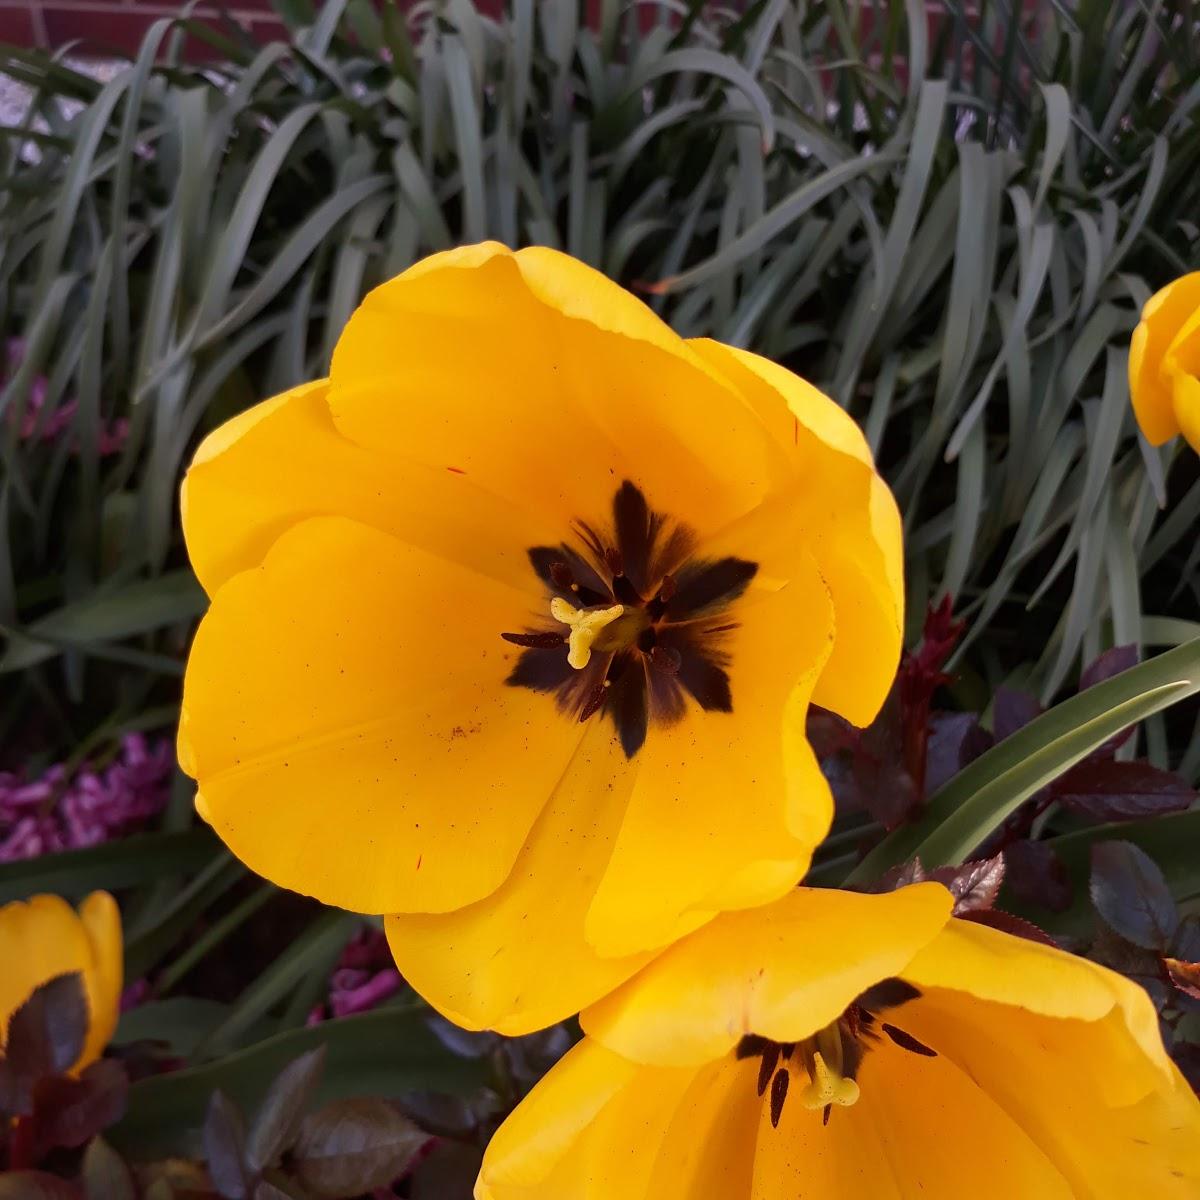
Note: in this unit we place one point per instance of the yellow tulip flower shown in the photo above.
(835, 1045)
(43, 938)
(515, 622)
(1164, 363)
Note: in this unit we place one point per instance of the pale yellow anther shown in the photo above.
(586, 625)
(827, 1087)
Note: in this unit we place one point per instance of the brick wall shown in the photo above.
(118, 25)
(102, 26)
(109, 25)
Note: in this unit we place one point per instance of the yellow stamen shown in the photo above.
(827, 1087)
(586, 624)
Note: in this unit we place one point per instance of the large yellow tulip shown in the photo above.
(835, 1046)
(515, 622)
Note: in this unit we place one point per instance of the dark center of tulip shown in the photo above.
(641, 622)
(831, 1058)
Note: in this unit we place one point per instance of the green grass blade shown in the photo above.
(977, 800)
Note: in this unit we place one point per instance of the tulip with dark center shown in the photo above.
(830, 1059)
(515, 623)
(646, 623)
(858, 1047)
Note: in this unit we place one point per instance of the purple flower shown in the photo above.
(112, 437)
(55, 812)
(363, 978)
(137, 993)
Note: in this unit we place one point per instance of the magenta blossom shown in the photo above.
(363, 978)
(55, 812)
(112, 437)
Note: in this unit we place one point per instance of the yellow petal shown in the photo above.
(581, 293)
(101, 920)
(596, 1129)
(231, 512)
(545, 384)
(570, 1137)
(350, 728)
(995, 966)
(485, 966)
(43, 938)
(1187, 408)
(1150, 385)
(922, 1128)
(462, 257)
(782, 971)
(852, 526)
(569, 287)
(1062, 1081)
(708, 1150)
(727, 806)
(284, 461)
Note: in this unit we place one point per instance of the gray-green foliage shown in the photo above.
(956, 248)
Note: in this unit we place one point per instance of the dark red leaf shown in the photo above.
(1144, 967)
(974, 885)
(70, 1112)
(354, 1146)
(996, 918)
(921, 674)
(1111, 662)
(225, 1147)
(1104, 790)
(877, 779)
(1012, 710)
(900, 876)
(450, 1170)
(938, 638)
(1036, 875)
(105, 1174)
(1184, 975)
(1130, 893)
(282, 1109)
(829, 734)
(46, 1034)
(1187, 939)
(955, 739)
(12, 1094)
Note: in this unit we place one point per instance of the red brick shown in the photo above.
(103, 29)
(16, 26)
(266, 29)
